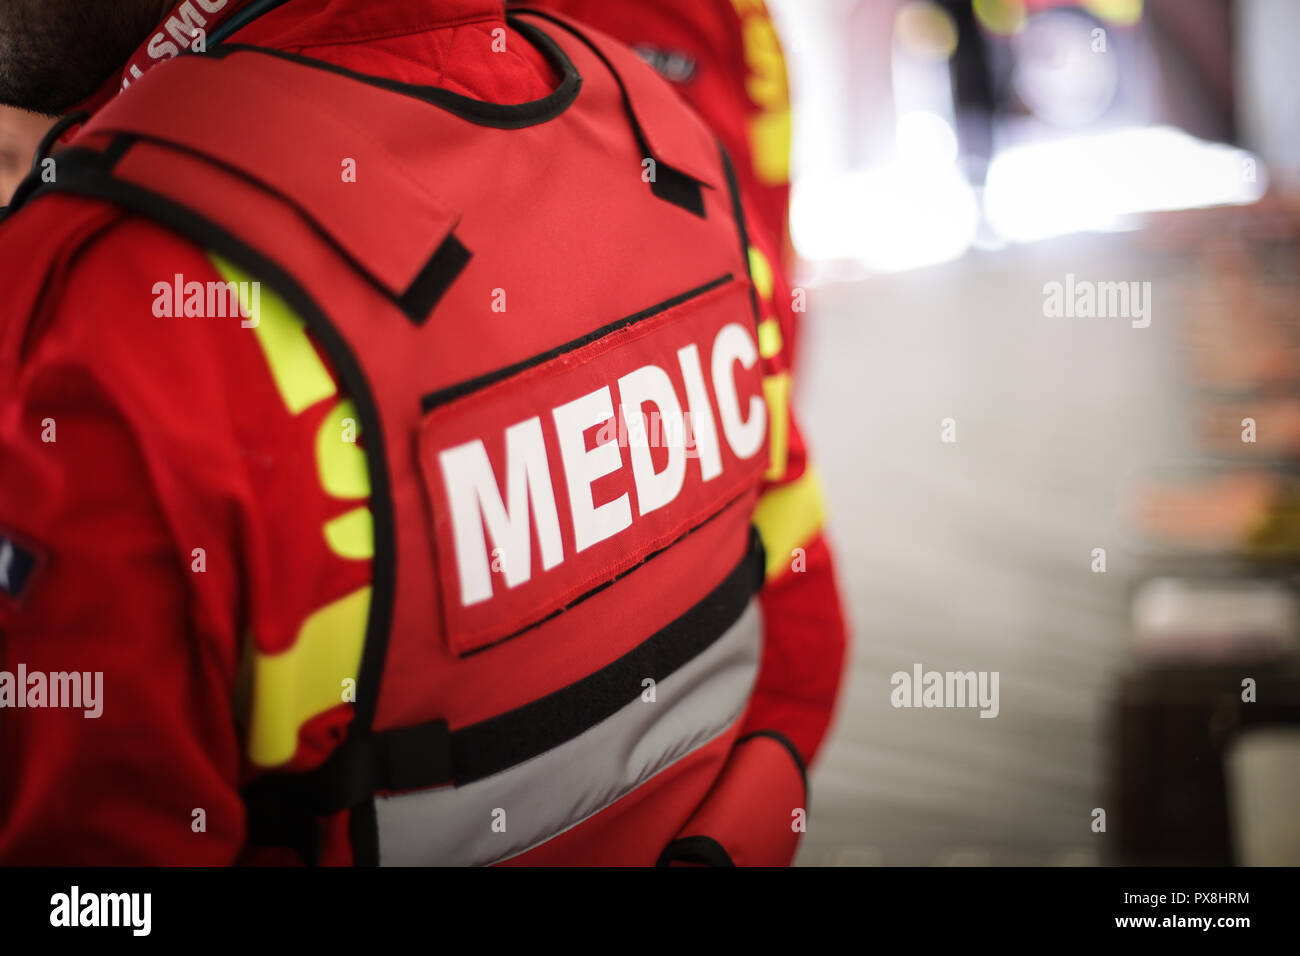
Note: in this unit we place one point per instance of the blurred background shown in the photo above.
(950, 161)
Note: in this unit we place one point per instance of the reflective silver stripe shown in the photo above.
(554, 791)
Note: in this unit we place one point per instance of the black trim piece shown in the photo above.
(480, 112)
(241, 19)
(88, 180)
(427, 755)
(788, 744)
(410, 758)
(97, 160)
(434, 280)
(738, 213)
(452, 392)
(32, 184)
(703, 850)
(363, 831)
(52, 136)
(273, 819)
(417, 302)
(669, 184)
(500, 742)
(679, 189)
(117, 148)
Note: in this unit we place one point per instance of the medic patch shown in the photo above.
(673, 65)
(548, 484)
(17, 567)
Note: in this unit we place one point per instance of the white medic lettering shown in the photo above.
(688, 432)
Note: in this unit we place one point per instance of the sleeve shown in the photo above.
(116, 740)
(805, 637)
(757, 808)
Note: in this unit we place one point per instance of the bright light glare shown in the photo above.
(925, 138)
(1091, 183)
(889, 218)
(915, 211)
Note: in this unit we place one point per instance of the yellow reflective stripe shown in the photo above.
(767, 83)
(340, 462)
(298, 372)
(776, 389)
(291, 687)
(760, 270)
(788, 517)
(297, 684)
(769, 134)
(352, 535)
(769, 90)
(770, 341)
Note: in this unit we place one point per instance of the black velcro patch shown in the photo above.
(678, 189)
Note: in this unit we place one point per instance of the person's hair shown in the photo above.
(55, 53)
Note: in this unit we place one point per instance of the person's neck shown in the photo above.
(174, 32)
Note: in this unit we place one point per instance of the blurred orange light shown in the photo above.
(925, 31)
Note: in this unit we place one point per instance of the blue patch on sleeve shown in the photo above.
(16, 567)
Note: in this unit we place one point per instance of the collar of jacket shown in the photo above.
(293, 25)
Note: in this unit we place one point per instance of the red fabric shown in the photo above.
(756, 807)
(711, 34)
(627, 832)
(173, 437)
(805, 637)
(180, 30)
(490, 411)
(804, 643)
(149, 466)
(118, 527)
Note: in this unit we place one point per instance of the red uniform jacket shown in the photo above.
(167, 514)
